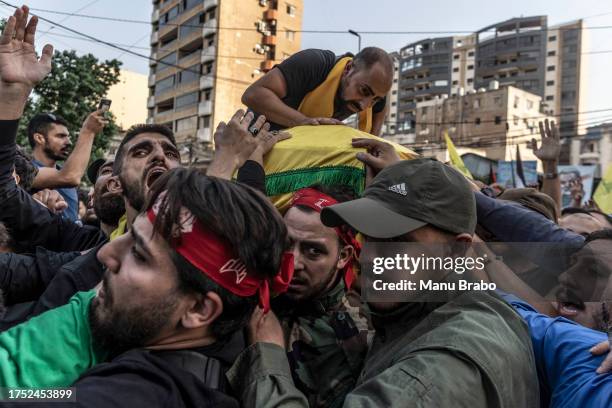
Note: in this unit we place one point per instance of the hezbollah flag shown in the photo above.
(456, 160)
(317, 154)
(603, 194)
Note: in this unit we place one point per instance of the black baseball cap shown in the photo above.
(94, 169)
(406, 196)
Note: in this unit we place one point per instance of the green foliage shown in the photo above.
(73, 90)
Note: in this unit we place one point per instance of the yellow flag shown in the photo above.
(455, 159)
(603, 194)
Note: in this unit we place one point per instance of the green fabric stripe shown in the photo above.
(292, 180)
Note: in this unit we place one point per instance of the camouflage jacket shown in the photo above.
(327, 340)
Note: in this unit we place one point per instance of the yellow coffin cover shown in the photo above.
(317, 154)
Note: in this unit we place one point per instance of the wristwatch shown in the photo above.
(551, 176)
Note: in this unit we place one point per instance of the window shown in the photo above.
(455, 82)
(470, 80)
(455, 69)
(168, 60)
(291, 10)
(552, 38)
(497, 100)
(529, 104)
(186, 123)
(188, 4)
(470, 67)
(206, 95)
(424, 110)
(498, 120)
(550, 83)
(515, 120)
(192, 25)
(551, 53)
(190, 74)
(517, 100)
(549, 97)
(471, 54)
(290, 35)
(476, 103)
(207, 68)
(477, 121)
(456, 56)
(441, 82)
(550, 68)
(393, 103)
(186, 100)
(394, 93)
(164, 84)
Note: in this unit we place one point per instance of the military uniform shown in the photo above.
(327, 341)
(473, 351)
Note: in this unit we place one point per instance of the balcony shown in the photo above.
(151, 102)
(210, 27)
(203, 135)
(210, 4)
(269, 40)
(205, 108)
(154, 37)
(209, 54)
(271, 14)
(151, 80)
(155, 15)
(206, 81)
(153, 59)
(164, 49)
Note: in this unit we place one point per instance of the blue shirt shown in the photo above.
(70, 195)
(566, 368)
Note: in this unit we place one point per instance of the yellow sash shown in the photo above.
(319, 103)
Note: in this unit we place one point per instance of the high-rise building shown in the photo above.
(594, 148)
(526, 53)
(429, 68)
(390, 124)
(522, 52)
(204, 55)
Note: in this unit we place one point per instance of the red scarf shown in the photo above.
(218, 261)
(316, 200)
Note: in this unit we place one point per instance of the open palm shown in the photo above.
(18, 61)
(551, 146)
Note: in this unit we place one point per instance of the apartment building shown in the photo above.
(204, 55)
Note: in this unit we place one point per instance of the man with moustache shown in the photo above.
(316, 87)
(49, 138)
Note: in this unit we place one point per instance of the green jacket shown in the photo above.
(327, 341)
(473, 351)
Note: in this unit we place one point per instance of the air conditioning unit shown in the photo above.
(261, 26)
(266, 48)
(267, 33)
(259, 49)
(263, 3)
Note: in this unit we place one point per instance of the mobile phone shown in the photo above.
(104, 105)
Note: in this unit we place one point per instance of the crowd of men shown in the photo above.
(179, 288)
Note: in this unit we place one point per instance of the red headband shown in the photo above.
(316, 200)
(217, 261)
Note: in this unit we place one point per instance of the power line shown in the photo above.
(133, 21)
(128, 51)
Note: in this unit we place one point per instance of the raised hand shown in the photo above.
(20, 68)
(19, 63)
(551, 146)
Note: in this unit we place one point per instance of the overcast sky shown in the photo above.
(359, 15)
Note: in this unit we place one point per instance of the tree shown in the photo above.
(72, 90)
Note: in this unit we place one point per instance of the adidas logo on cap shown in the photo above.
(399, 189)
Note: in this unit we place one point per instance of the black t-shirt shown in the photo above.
(306, 70)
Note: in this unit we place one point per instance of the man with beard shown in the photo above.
(316, 87)
(102, 205)
(326, 334)
(50, 141)
(427, 354)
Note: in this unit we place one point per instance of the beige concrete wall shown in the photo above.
(129, 98)
(234, 75)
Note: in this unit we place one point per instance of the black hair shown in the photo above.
(605, 233)
(574, 210)
(25, 169)
(83, 195)
(5, 237)
(371, 55)
(41, 123)
(135, 131)
(236, 214)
